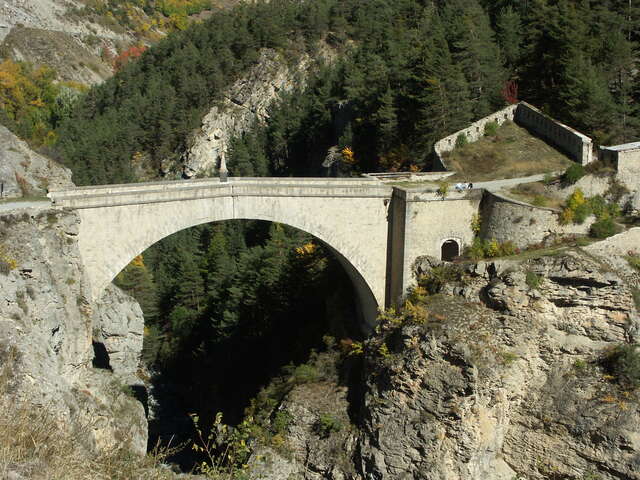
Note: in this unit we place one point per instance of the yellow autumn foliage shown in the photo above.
(306, 249)
(348, 155)
(138, 261)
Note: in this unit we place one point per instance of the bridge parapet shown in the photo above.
(205, 182)
(115, 195)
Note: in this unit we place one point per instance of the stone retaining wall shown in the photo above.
(473, 132)
(573, 143)
(523, 224)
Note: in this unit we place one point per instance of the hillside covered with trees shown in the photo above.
(410, 73)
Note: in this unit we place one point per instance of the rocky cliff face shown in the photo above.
(245, 102)
(55, 34)
(60, 352)
(499, 376)
(25, 172)
(503, 381)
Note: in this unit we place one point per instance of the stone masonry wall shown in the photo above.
(473, 132)
(629, 168)
(575, 144)
(520, 223)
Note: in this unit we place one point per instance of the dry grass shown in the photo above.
(512, 152)
(535, 193)
(38, 446)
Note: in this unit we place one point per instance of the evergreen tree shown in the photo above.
(473, 48)
(509, 35)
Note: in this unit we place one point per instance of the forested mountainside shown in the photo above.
(411, 72)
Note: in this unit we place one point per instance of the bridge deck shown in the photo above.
(156, 192)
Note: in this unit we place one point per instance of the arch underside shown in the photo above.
(110, 237)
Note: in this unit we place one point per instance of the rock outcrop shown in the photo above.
(53, 338)
(60, 35)
(504, 379)
(247, 101)
(25, 172)
(499, 376)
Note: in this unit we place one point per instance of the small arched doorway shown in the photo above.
(449, 250)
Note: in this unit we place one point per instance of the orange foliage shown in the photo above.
(127, 55)
(348, 156)
(138, 261)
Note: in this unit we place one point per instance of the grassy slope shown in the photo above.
(512, 152)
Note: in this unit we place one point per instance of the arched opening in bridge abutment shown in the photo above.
(449, 250)
(336, 293)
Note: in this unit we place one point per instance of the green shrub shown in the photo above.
(634, 261)
(281, 422)
(461, 140)
(623, 362)
(480, 249)
(435, 279)
(598, 206)
(572, 174)
(476, 251)
(603, 228)
(490, 129)
(327, 424)
(533, 280)
(581, 213)
(476, 223)
(580, 365)
(548, 178)
(305, 373)
(443, 189)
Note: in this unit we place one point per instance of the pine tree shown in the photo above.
(440, 90)
(386, 119)
(474, 49)
(509, 35)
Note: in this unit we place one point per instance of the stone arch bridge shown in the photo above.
(376, 231)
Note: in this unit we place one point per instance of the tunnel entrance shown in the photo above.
(449, 250)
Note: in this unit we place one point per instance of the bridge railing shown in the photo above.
(206, 182)
(156, 192)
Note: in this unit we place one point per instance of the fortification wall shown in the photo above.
(573, 143)
(523, 224)
(473, 132)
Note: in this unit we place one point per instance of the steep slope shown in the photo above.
(503, 374)
(50, 332)
(46, 32)
(246, 103)
(24, 172)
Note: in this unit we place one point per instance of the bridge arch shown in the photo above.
(117, 223)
